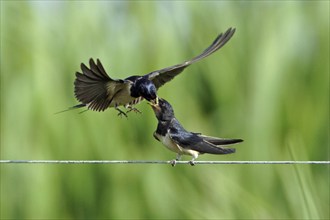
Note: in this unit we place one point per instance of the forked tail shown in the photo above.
(72, 108)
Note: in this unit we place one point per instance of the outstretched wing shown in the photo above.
(94, 88)
(160, 77)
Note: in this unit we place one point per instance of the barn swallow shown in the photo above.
(171, 134)
(96, 90)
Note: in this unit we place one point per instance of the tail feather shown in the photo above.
(226, 150)
(72, 108)
(207, 147)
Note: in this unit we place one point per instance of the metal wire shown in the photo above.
(152, 162)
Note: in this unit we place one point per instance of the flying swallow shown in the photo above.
(97, 91)
(171, 134)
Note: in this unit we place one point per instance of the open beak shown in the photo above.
(154, 101)
(155, 104)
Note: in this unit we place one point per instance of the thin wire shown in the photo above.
(152, 162)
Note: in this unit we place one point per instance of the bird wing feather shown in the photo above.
(190, 140)
(219, 141)
(162, 76)
(94, 88)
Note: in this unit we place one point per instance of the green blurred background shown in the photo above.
(269, 86)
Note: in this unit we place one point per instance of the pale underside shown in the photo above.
(118, 95)
(171, 145)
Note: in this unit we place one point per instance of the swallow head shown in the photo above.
(145, 88)
(163, 110)
(148, 91)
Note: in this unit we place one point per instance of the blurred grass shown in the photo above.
(269, 85)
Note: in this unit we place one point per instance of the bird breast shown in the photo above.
(122, 96)
(169, 143)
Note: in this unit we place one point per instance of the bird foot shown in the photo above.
(134, 110)
(173, 162)
(121, 113)
(192, 163)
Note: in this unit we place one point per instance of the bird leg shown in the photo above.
(131, 108)
(173, 162)
(121, 113)
(192, 161)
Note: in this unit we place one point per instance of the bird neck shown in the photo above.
(135, 90)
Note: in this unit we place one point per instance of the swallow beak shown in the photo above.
(155, 105)
(155, 101)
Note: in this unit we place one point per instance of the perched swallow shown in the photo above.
(96, 90)
(171, 134)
